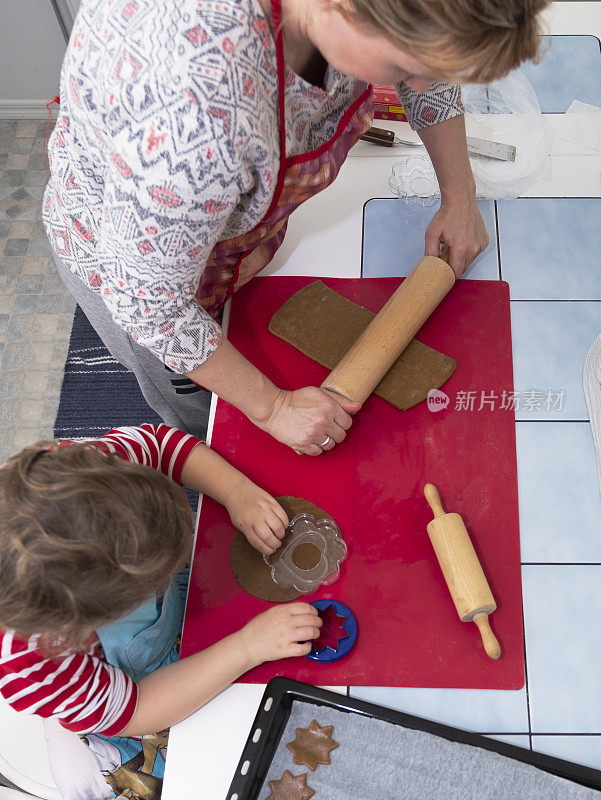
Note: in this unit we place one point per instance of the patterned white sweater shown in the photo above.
(167, 141)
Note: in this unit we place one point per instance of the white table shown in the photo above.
(324, 239)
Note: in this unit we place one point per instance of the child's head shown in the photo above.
(467, 40)
(84, 538)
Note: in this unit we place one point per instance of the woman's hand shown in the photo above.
(282, 631)
(255, 512)
(460, 226)
(310, 420)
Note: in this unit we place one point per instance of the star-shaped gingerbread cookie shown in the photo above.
(290, 787)
(312, 745)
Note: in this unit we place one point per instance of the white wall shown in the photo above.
(31, 52)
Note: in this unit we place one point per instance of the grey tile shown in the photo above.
(16, 247)
(42, 353)
(9, 413)
(38, 230)
(20, 195)
(35, 382)
(53, 285)
(69, 305)
(25, 303)
(36, 191)
(4, 319)
(24, 436)
(31, 410)
(59, 352)
(23, 145)
(5, 145)
(45, 327)
(3, 160)
(11, 265)
(4, 228)
(17, 202)
(10, 385)
(27, 128)
(50, 409)
(8, 283)
(21, 328)
(35, 265)
(63, 328)
(37, 161)
(54, 382)
(28, 215)
(6, 303)
(39, 247)
(8, 128)
(16, 161)
(30, 284)
(16, 356)
(46, 431)
(51, 266)
(36, 177)
(50, 304)
(21, 230)
(12, 177)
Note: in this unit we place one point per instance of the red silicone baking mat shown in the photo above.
(409, 632)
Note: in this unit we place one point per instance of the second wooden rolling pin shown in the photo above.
(462, 570)
(365, 363)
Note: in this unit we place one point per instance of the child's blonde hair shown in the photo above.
(85, 537)
(471, 40)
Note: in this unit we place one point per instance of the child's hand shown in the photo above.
(281, 632)
(260, 518)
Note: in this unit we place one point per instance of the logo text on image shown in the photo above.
(437, 400)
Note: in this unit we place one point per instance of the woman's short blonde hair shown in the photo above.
(85, 537)
(475, 41)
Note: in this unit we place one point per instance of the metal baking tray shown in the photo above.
(276, 705)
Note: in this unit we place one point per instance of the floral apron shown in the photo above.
(233, 262)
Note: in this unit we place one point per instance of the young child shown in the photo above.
(92, 535)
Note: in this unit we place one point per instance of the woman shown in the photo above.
(188, 133)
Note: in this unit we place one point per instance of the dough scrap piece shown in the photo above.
(290, 787)
(323, 325)
(248, 567)
(312, 745)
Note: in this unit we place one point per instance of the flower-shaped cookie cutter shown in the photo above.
(310, 554)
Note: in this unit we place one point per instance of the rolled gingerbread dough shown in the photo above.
(250, 570)
(323, 325)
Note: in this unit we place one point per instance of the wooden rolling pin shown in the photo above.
(461, 569)
(364, 365)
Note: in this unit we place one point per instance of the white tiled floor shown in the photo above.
(562, 613)
(560, 504)
(550, 342)
(546, 246)
(393, 242)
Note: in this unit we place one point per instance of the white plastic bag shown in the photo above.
(508, 111)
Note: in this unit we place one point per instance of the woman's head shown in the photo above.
(84, 538)
(418, 41)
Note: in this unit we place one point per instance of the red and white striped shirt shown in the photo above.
(86, 694)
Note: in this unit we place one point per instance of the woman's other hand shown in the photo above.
(460, 226)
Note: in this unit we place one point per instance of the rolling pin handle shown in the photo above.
(489, 640)
(433, 498)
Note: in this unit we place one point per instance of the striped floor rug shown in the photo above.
(98, 393)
